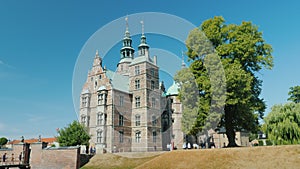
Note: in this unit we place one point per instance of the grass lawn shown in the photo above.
(243, 157)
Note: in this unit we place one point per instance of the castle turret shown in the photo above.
(127, 52)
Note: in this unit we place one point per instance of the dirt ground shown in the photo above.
(243, 157)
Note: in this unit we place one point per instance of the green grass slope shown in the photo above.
(243, 158)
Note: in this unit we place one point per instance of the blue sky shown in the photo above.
(41, 40)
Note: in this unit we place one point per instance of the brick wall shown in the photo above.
(52, 158)
(48, 158)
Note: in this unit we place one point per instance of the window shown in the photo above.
(121, 120)
(152, 72)
(100, 77)
(142, 51)
(84, 101)
(99, 136)
(92, 79)
(88, 121)
(137, 84)
(100, 119)
(121, 67)
(138, 137)
(137, 120)
(154, 121)
(100, 98)
(83, 119)
(121, 136)
(121, 100)
(154, 136)
(152, 85)
(137, 102)
(153, 102)
(96, 84)
(137, 70)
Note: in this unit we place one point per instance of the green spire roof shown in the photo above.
(173, 90)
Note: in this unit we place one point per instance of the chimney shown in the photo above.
(155, 59)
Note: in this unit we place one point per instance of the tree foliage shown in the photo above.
(3, 141)
(294, 94)
(189, 98)
(73, 135)
(242, 52)
(282, 124)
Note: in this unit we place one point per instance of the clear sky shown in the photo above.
(41, 40)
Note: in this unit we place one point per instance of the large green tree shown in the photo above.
(73, 135)
(243, 52)
(282, 124)
(294, 94)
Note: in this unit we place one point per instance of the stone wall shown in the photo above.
(47, 158)
(52, 158)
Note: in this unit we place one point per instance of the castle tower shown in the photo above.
(126, 52)
(144, 86)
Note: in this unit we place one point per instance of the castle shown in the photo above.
(130, 110)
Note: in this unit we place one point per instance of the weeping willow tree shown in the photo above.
(282, 124)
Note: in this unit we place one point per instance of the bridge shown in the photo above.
(23, 162)
(21, 166)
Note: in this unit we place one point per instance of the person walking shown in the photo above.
(12, 158)
(4, 159)
(20, 158)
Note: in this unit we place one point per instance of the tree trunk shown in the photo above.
(231, 137)
(230, 133)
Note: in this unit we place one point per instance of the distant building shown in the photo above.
(220, 139)
(50, 141)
